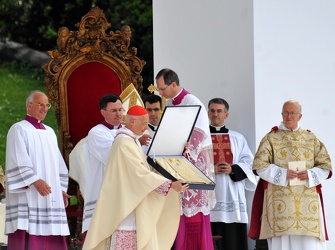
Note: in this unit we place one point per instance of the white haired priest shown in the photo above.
(136, 208)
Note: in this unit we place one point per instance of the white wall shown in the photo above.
(209, 43)
(255, 54)
(295, 59)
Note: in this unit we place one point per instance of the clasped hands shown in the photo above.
(223, 167)
(291, 174)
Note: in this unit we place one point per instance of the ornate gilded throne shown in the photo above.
(88, 63)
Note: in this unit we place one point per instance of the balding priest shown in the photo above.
(36, 182)
(136, 208)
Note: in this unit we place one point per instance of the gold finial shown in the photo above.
(152, 88)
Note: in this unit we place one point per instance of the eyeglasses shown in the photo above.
(42, 105)
(285, 113)
(219, 111)
(114, 110)
(155, 109)
(162, 89)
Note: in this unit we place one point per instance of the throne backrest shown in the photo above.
(87, 64)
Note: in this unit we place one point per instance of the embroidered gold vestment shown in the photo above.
(291, 210)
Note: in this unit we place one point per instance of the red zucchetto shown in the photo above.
(137, 111)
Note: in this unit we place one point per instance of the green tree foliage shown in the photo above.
(17, 80)
(36, 23)
(138, 15)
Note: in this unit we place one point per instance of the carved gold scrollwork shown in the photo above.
(91, 42)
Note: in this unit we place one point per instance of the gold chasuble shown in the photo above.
(291, 210)
(129, 185)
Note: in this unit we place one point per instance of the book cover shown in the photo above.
(297, 166)
(221, 148)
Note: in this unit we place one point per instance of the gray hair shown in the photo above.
(30, 97)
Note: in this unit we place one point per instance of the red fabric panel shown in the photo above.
(194, 233)
(222, 148)
(256, 211)
(85, 86)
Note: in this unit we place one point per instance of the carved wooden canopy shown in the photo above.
(88, 52)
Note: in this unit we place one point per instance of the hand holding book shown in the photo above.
(297, 173)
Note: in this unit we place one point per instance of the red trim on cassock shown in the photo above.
(319, 191)
(257, 210)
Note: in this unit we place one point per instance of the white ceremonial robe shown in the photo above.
(296, 243)
(33, 154)
(231, 204)
(95, 152)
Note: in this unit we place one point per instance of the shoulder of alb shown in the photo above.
(235, 134)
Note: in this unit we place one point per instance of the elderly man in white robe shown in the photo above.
(291, 162)
(136, 208)
(37, 180)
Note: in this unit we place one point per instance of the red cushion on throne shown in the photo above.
(85, 86)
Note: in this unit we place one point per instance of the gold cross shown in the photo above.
(152, 88)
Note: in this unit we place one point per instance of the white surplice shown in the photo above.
(231, 204)
(33, 154)
(94, 154)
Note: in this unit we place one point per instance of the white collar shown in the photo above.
(181, 89)
(283, 127)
